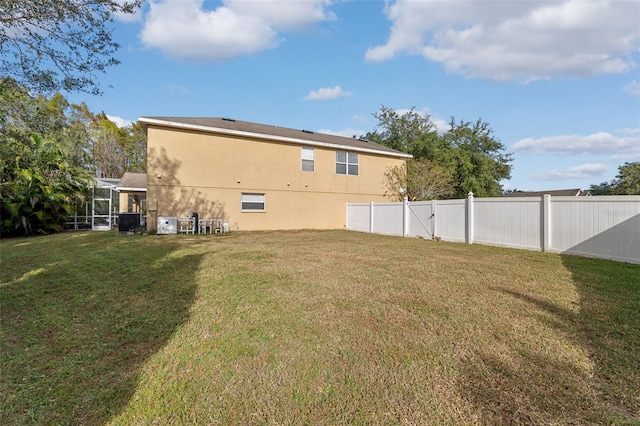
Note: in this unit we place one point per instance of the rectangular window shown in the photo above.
(346, 163)
(253, 203)
(308, 159)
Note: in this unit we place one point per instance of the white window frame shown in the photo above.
(351, 161)
(308, 155)
(249, 200)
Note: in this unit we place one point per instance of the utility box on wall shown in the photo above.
(167, 225)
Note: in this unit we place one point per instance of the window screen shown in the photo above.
(346, 163)
(308, 159)
(253, 202)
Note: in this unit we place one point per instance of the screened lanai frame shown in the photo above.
(100, 210)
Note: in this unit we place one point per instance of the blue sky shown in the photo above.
(559, 81)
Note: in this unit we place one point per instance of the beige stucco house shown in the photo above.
(259, 177)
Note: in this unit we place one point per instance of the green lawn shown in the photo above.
(312, 327)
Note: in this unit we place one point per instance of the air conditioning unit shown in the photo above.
(167, 225)
(128, 222)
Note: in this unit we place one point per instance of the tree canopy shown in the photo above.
(468, 154)
(627, 181)
(403, 132)
(52, 45)
(40, 189)
(49, 152)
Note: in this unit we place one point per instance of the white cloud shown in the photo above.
(632, 88)
(119, 121)
(516, 40)
(327, 93)
(184, 29)
(601, 143)
(584, 171)
(347, 133)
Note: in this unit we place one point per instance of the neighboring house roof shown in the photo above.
(275, 133)
(555, 193)
(133, 182)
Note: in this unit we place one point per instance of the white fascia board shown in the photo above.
(269, 137)
(124, 188)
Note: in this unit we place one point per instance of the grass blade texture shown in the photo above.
(313, 327)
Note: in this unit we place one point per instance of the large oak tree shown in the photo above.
(465, 158)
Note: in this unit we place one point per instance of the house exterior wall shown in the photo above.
(207, 173)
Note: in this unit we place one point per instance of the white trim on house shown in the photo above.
(125, 188)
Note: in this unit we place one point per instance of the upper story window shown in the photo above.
(308, 159)
(346, 163)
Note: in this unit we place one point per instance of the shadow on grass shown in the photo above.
(542, 385)
(610, 318)
(81, 313)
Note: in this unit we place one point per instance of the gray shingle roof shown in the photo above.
(133, 181)
(211, 124)
(556, 193)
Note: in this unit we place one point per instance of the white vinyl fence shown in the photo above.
(602, 226)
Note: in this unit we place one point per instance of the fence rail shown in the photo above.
(601, 226)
